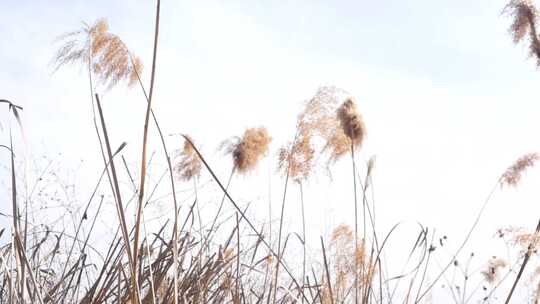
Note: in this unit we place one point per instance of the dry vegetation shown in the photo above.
(192, 262)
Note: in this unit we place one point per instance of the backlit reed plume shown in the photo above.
(492, 272)
(513, 174)
(297, 157)
(189, 164)
(249, 149)
(105, 53)
(345, 258)
(523, 238)
(525, 16)
(320, 136)
(351, 122)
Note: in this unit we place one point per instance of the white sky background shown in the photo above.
(449, 102)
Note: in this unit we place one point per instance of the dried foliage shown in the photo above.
(189, 164)
(249, 149)
(525, 16)
(513, 174)
(492, 271)
(105, 54)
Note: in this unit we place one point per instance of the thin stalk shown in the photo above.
(143, 157)
(355, 226)
(119, 207)
(207, 238)
(475, 223)
(280, 234)
(327, 271)
(243, 215)
(303, 236)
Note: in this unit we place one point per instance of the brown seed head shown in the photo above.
(320, 134)
(351, 121)
(248, 150)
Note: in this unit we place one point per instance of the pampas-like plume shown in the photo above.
(492, 271)
(345, 258)
(248, 150)
(106, 53)
(351, 122)
(322, 121)
(525, 16)
(298, 157)
(189, 164)
(513, 174)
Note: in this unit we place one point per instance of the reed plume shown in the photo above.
(525, 16)
(321, 138)
(105, 53)
(492, 271)
(351, 122)
(519, 236)
(349, 129)
(249, 149)
(512, 176)
(189, 164)
(297, 157)
(348, 260)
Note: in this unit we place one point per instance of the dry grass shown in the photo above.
(220, 262)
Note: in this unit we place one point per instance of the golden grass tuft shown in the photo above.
(189, 164)
(512, 176)
(106, 54)
(248, 150)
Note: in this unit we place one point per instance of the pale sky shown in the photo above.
(449, 102)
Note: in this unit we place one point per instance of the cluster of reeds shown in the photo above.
(182, 262)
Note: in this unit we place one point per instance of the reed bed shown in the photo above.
(231, 257)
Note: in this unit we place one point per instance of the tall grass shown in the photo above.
(202, 260)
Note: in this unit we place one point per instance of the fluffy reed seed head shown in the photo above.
(521, 238)
(512, 176)
(351, 121)
(492, 271)
(297, 157)
(320, 134)
(526, 240)
(189, 164)
(105, 53)
(248, 150)
(347, 256)
(525, 16)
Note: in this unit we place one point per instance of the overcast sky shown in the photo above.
(449, 102)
